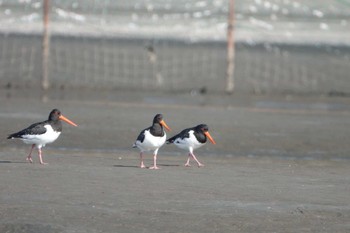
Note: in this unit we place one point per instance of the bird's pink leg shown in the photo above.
(142, 165)
(29, 157)
(40, 157)
(194, 157)
(155, 160)
(187, 164)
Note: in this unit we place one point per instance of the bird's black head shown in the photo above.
(202, 127)
(158, 118)
(54, 115)
(205, 130)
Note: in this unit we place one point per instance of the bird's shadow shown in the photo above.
(125, 166)
(169, 165)
(133, 166)
(7, 161)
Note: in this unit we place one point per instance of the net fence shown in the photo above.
(281, 45)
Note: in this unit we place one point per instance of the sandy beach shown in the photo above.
(274, 169)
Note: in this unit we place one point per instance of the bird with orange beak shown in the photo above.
(152, 138)
(191, 139)
(42, 133)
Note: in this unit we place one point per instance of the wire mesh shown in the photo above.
(281, 45)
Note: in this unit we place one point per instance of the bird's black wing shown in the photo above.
(141, 136)
(37, 128)
(183, 134)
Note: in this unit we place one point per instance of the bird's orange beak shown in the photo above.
(63, 118)
(210, 138)
(165, 125)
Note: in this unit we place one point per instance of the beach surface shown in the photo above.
(280, 165)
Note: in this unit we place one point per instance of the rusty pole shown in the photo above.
(230, 48)
(46, 46)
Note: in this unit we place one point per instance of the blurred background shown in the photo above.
(281, 46)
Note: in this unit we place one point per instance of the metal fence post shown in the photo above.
(46, 46)
(230, 49)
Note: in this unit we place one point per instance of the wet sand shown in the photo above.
(274, 169)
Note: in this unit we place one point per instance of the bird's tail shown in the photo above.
(170, 140)
(16, 135)
(134, 145)
(11, 136)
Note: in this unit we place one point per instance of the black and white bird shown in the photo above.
(152, 138)
(42, 133)
(191, 139)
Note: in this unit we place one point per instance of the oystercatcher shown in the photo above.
(42, 133)
(191, 139)
(152, 138)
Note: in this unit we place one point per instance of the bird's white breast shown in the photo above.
(150, 142)
(187, 143)
(41, 140)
